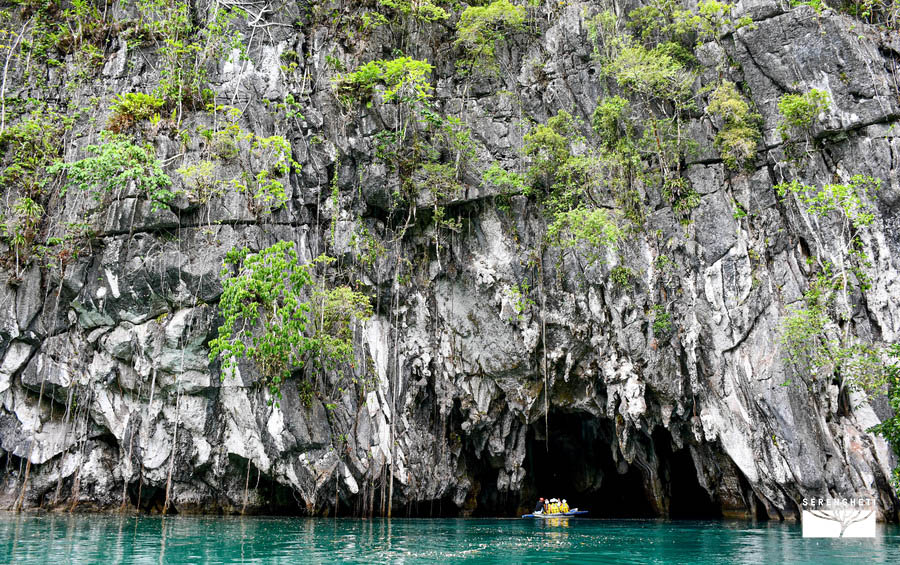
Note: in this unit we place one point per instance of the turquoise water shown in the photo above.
(58, 539)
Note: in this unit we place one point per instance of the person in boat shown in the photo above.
(539, 507)
(546, 506)
(554, 506)
(564, 506)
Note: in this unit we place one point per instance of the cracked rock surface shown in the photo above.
(106, 387)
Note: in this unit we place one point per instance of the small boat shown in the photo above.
(569, 514)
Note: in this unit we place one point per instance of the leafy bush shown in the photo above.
(187, 42)
(481, 27)
(885, 12)
(609, 120)
(850, 199)
(423, 10)
(739, 135)
(814, 343)
(651, 73)
(518, 295)
(201, 181)
(682, 195)
(621, 276)
(439, 179)
(133, 107)
(512, 183)
(28, 148)
(664, 21)
(115, 163)
(889, 429)
(799, 110)
(404, 79)
(549, 146)
(271, 158)
(594, 229)
(603, 31)
(276, 316)
(662, 321)
(20, 229)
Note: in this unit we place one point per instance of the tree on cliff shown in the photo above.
(278, 316)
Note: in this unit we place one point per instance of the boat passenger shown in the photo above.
(554, 506)
(539, 507)
(564, 506)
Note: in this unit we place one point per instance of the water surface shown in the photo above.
(58, 539)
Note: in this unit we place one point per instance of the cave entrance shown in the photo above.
(577, 464)
(579, 467)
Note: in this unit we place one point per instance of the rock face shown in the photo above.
(109, 398)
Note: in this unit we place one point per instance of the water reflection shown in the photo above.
(175, 539)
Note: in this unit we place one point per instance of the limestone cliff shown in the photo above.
(654, 371)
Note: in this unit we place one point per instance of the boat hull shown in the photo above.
(557, 515)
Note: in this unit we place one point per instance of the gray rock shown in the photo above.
(659, 359)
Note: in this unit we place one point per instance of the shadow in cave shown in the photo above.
(279, 500)
(687, 499)
(579, 467)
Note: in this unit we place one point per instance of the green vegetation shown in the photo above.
(278, 316)
(512, 183)
(225, 139)
(28, 148)
(739, 134)
(850, 200)
(799, 110)
(550, 148)
(610, 121)
(662, 322)
(201, 181)
(884, 13)
(20, 229)
(665, 21)
(186, 43)
(656, 72)
(480, 28)
(423, 10)
(621, 276)
(565, 183)
(816, 333)
(59, 31)
(594, 229)
(129, 109)
(621, 154)
(265, 161)
(817, 5)
(651, 73)
(890, 428)
(404, 79)
(518, 295)
(114, 164)
(270, 161)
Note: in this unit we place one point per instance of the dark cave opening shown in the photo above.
(147, 498)
(687, 499)
(280, 500)
(489, 501)
(577, 464)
